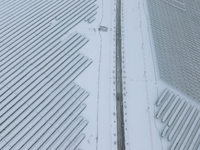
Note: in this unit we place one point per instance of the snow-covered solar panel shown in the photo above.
(180, 122)
(176, 34)
(41, 106)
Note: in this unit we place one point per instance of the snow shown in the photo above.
(142, 84)
(149, 102)
(141, 80)
(98, 78)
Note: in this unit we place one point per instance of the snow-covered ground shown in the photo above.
(97, 80)
(142, 84)
(140, 78)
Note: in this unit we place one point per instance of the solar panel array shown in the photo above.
(181, 122)
(40, 105)
(176, 34)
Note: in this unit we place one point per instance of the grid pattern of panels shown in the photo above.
(40, 105)
(176, 33)
(182, 122)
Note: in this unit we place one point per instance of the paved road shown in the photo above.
(119, 96)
